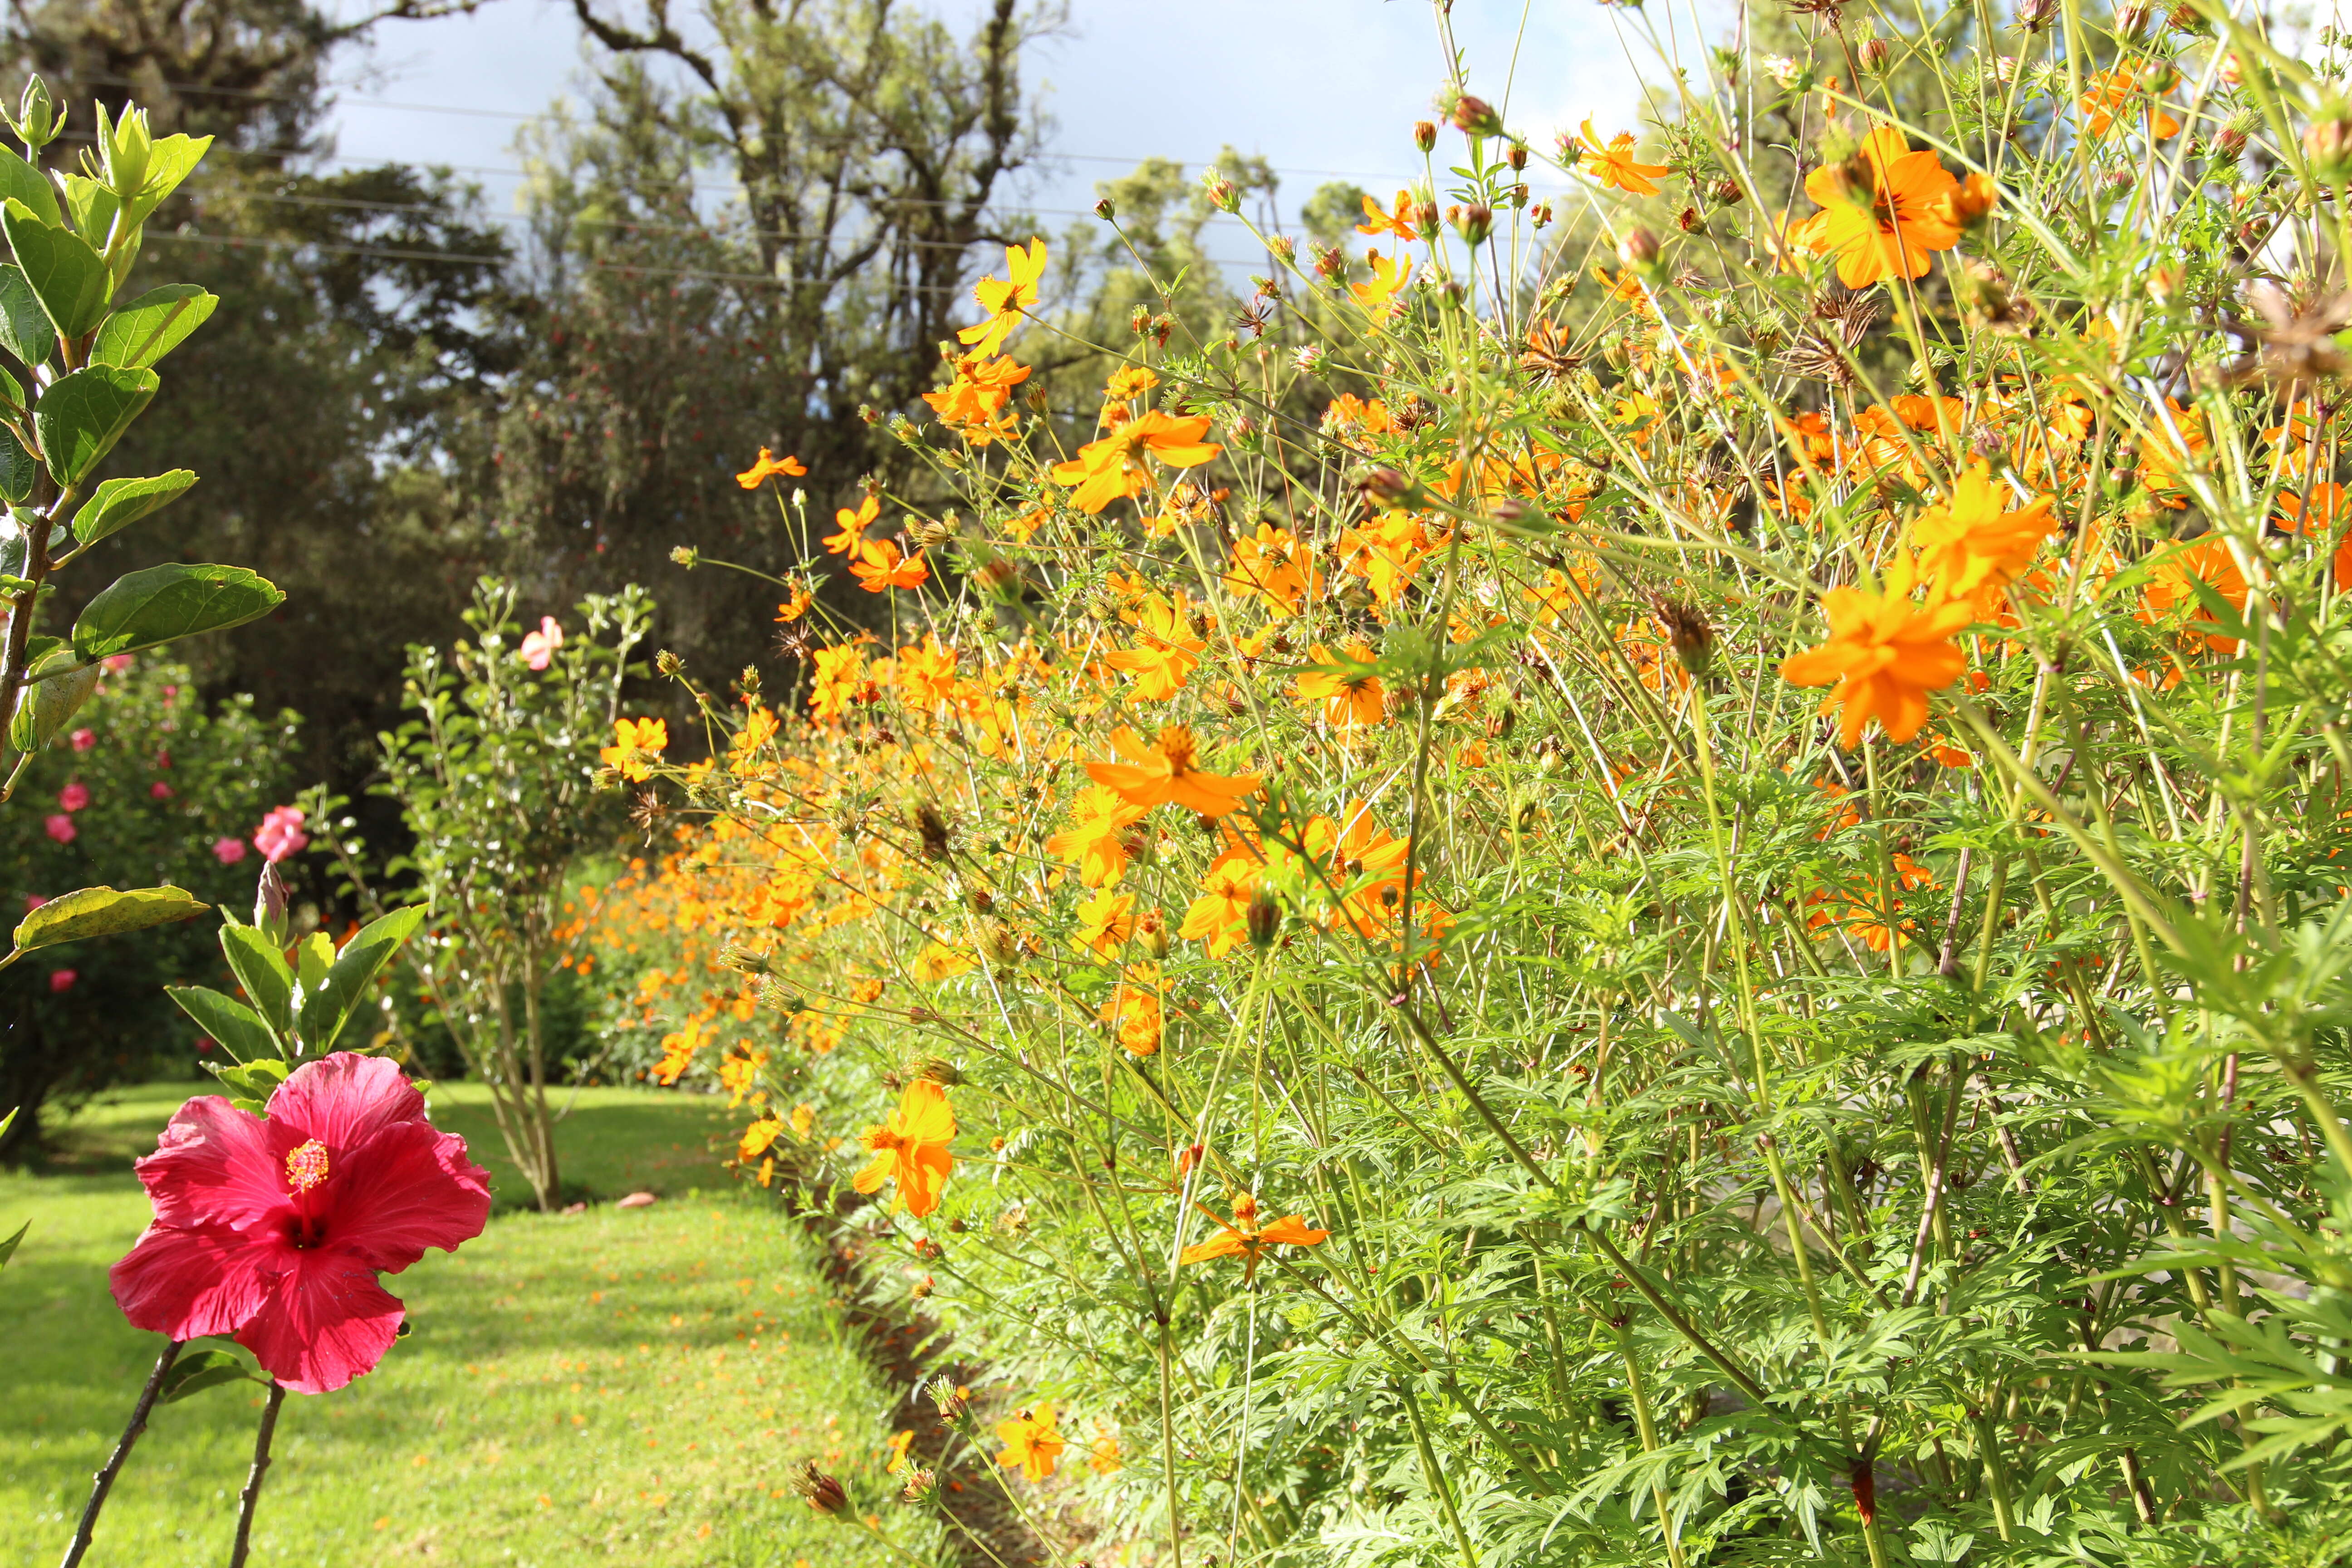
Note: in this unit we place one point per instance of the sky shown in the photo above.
(1322, 89)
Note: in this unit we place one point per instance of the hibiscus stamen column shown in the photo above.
(103, 1482)
(252, 1492)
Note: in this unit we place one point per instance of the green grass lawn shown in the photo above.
(623, 1385)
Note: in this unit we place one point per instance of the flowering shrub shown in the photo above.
(1743, 840)
(152, 785)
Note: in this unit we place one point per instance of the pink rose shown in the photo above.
(61, 981)
(84, 739)
(159, 789)
(228, 851)
(61, 828)
(280, 834)
(74, 796)
(539, 648)
(117, 663)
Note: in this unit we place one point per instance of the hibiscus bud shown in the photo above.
(1106, 209)
(1476, 222)
(822, 1491)
(269, 905)
(1873, 55)
(1424, 134)
(1475, 117)
(1638, 249)
(1263, 919)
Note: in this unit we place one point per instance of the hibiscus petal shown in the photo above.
(327, 1323)
(344, 1100)
(188, 1283)
(409, 1187)
(215, 1164)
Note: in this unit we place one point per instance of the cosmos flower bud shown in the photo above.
(821, 1491)
(1688, 634)
(684, 555)
(1424, 134)
(1638, 249)
(667, 662)
(939, 1070)
(2035, 15)
(1425, 215)
(1516, 156)
(2329, 144)
(1263, 919)
(1476, 222)
(1106, 209)
(1873, 55)
(1475, 117)
(1389, 487)
(1220, 191)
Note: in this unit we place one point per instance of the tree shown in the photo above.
(670, 341)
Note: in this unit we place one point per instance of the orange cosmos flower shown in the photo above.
(1879, 211)
(1151, 776)
(1970, 546)
(1614, 166)
(2314, 516)
(1164, 653)
(1388, 278)
(911, 1148)
(1351, 693)
(796, 606)
(2111, 91)
(853, 526)
(2208, 561)
(879, 566)
(1107, 470)
(1244, 1239)
(1005, 299)
(769, 467)
(970, 402)
(1105, 921)
(1884, 653)
(1032, 1442)
(1399, 223)
(1133, 1011)
(1220, 916)
(637, 744)
(1097, 838)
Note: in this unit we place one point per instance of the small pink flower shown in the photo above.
(84, 739)
(228, 851)
(280, 834)
(159, 789)
(538, 646)
(168, 693)
(116, 663)
(61, 828)
(162, 758)
(74, 796)
(33, 901)
(61, 981)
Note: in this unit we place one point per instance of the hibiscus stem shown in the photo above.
(252, 1492)
(103, 1482)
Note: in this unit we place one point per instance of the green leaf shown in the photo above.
(83, 415)
(151, 326)
(160, 603)
(196, 1371)
(26, 330)
(89, 209)
(261, 970)
(66, 273)
(254, 1080)
(8, 1248)
(169, 161)
(45, 705)
(22, 181)
(18, 470)
(86, 912)
(119, 503)
(237, 1027)
(325, 1006)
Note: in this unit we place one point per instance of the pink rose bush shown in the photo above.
(74, 796)
(60, 827)
(228, 851)
(274, 1229)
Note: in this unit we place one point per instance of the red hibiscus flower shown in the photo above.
(274, 1229)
